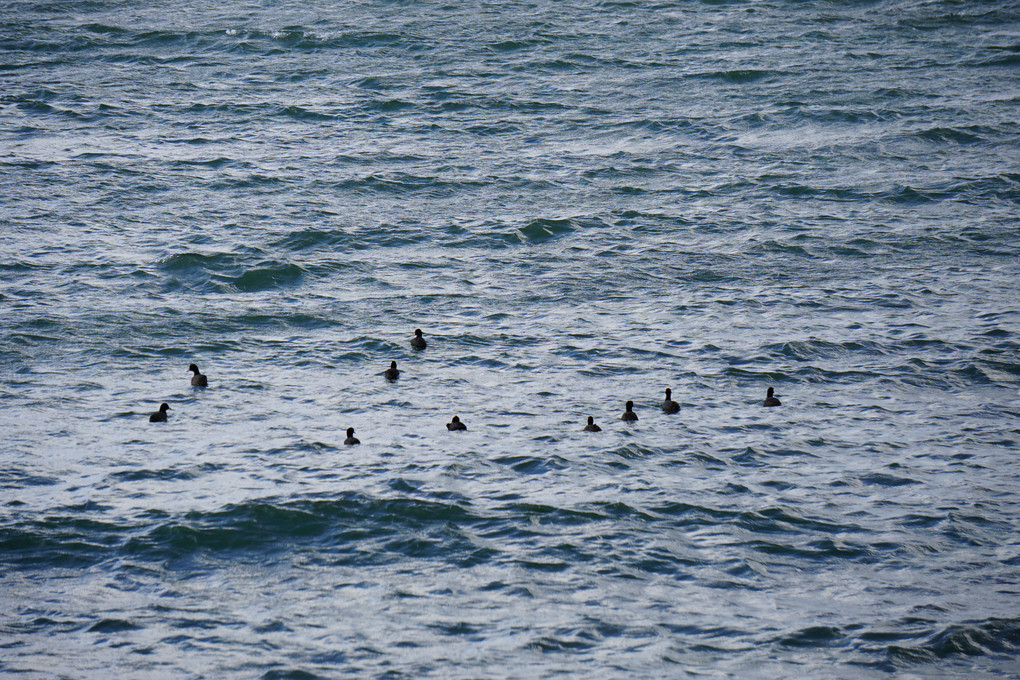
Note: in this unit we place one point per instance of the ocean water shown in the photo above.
(580, 203)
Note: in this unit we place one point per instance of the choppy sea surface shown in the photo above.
(580, 203)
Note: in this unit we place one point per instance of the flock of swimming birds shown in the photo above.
(392, 373)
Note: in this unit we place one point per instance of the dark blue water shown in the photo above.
(580, 204)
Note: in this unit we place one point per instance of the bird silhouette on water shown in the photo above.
(198, 380)
(670, 406)
(392, 373)
(160, 415)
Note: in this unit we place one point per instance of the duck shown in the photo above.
(351, 439)
(160, 415)
(670, 406)
(770, 399)
(591, 426)
(392, 373)
(198, 380)
(629, 414)
(455, 424)
(418, 342)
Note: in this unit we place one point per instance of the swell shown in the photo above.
(228, 272)
(108, 38)
(362, 529)
(911, 643)
(917, 360)
(989, 637)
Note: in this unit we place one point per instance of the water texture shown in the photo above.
(580, 204)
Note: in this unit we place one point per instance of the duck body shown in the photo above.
(392, 373)
(351, 439)
(591, 426)
(198, 380)
(455, 425)
(670, 406)
(629, 415)
(160, 415)
(770, 399)
(418, 342)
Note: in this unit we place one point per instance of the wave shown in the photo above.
(313, 239)
(814, 636)
(270, 277)
(531, 465)
(739, 76)
(302, 39)
(1010, 60)
(989, 637)
(253, 526)
(545, 229)
(356, 525)
(186, 262)
(805, 350)
(968, 135)
(518, 45)
(994, 637)
(977, 15)
(225, 272)
(301, 113)
(115, 43)
(398, 183)
(167, 474)
(391, 105)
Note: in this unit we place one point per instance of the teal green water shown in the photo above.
(580, 204)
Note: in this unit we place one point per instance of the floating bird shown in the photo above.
(351, 439)
(770, 400)
(591, 426)
(455, 424)
(392, 373)
(198, 380)
(670, 406)
(418, 342)
(629, 414)
(160, 415)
